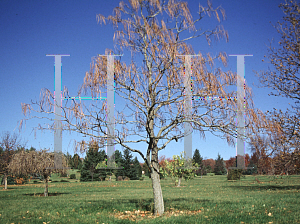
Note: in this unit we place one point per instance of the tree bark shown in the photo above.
(157, 192)
(5, 181)
(179, 181)
(46, 186)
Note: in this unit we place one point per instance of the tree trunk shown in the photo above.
(5, 181)
(179, 181)
(46, 186)
(157, 192)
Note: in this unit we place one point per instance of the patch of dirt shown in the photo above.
(137, 215)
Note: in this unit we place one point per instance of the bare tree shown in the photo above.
(284, 78)
(9, 144)
(281, 129)
(154, 91)
(35, 162)
(284, 140)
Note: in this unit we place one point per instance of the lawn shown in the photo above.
(211, 199)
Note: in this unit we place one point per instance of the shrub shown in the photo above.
(73, 176)
(141, 178)
(64, 175)
(234, 174)
(210, 174)
(19, 180)
(120, 178)
(126, 179)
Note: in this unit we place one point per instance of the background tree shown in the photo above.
(284, 79)
(219, 168)
(252, 165)
(9, 144)
(262, 152)
(35, 162)
(119, 160)
(281, 129)
(231, 162)
(137, 169)
(31, 149)
(177, 170)
(77, 163)
(162, 164)
(287, 163)
(197, 158)
(153, 89)
(209, 165)
(93, 157)
(70, 160)
(128, 164)
(146, 169)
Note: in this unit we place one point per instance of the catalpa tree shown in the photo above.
(152, 84)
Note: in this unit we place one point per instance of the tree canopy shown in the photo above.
(153, 84)
(35, 162)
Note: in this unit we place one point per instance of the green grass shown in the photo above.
(220, 201)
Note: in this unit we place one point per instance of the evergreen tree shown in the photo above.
(69, 160)
(128, 167)
(199, 160)
(119, 163)
(219, 166)
(76, 161)
(31, 149)
(93, 157)
(146, 169)
(253, 169)
(137, 169)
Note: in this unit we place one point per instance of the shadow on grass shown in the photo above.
(145, 204)
(42, 195)
(8, 189)
(267, 187)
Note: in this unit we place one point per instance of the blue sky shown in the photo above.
(32, 29)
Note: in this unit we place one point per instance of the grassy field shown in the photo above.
(211, 199)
